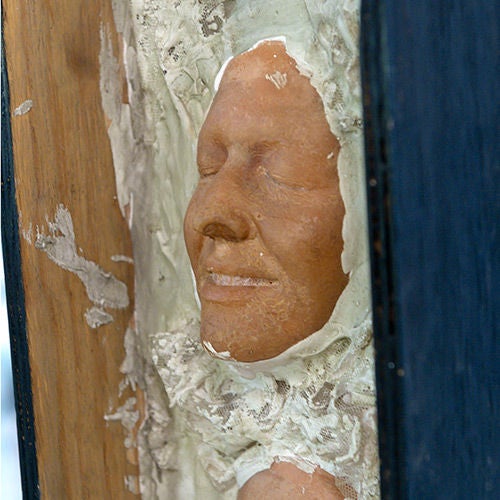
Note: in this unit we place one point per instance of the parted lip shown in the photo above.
(226, 284)
(232, 287)
(238, 280)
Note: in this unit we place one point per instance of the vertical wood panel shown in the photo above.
(62, 156)
(15, 307)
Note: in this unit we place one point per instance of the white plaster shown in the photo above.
(278, 79)
(128, 415)
(103, 289)
(221, 72)
(132, 484)
(122, 258)
(27, 234)
(225, 355)
(96, 317)
(23, 108)
(171, 68)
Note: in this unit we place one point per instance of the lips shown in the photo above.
(239, 286)
(228, 280)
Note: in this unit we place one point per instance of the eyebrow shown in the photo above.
(262, 147)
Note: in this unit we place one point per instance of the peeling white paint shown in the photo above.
(122, 258)
(278, 79)
(221, 72)
(132, 365)
(102, 288)
(132, 484)
(221, 355)
(23, 108)
(28, 233)
(127, 414)
(97, 317)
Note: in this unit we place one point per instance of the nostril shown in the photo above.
(216, 230)
(233, 228)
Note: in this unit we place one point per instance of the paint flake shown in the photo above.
(102, 288)
(23, 108)
(278, 79)
(122, 258)
(97, 317)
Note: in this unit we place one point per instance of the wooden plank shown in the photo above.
(62, 156)
(431, 97)
(15, 307)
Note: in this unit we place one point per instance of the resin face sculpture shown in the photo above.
(263, 229)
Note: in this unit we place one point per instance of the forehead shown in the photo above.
(269, 71)
(266, 57)
(264, 89)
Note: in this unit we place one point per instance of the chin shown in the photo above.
(249, 341)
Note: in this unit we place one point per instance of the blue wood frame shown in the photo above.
(15, 307)
(431, 98)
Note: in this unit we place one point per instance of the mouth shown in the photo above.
(230, 288)
(228, 280)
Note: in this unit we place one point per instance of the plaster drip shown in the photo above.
(132, 366)
(221, 355)
(97, 317)
(27, 234)
(127, 414)
(122, 258)
(23, 108)
(102, 288)
(278, 79)
(132, 484)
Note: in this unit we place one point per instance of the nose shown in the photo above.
(221, 212)
(229, 227)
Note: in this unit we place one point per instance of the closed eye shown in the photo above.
(266, 157)
(262, 150)
(278, 181)
(211, 156)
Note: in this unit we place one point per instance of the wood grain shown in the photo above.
(62, 156)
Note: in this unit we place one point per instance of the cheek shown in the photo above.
(326, 229)
(192, 238)
(313, 238)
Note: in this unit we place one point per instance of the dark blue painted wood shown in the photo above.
(15, 307)
(389, 396)
(431, 98)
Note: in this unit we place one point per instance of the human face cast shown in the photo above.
(263, 228)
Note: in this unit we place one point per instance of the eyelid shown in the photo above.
(212, 161)
(279, 182)
(259, 150)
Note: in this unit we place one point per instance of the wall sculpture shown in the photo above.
(278, 393)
